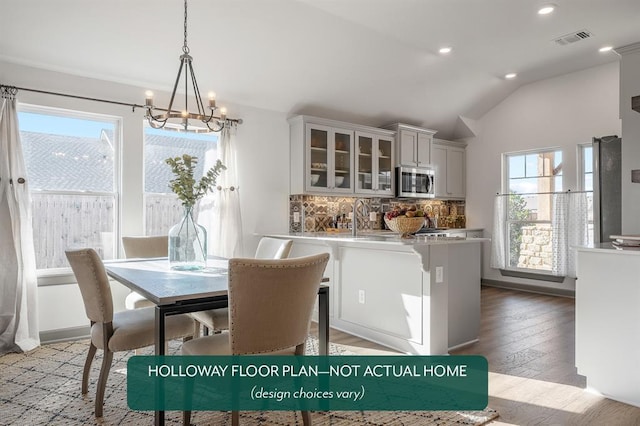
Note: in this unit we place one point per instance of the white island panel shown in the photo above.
(380, 297)
(419, 296)
(608, 322)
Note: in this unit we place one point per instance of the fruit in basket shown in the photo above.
(405, 220)
(404, 211)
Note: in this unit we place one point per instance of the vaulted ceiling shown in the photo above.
(366, 61)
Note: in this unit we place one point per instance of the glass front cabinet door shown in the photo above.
(374, 164)
(329, 159)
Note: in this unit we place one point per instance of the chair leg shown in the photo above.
(186, 418)
(102, 381)
(87, 368)
(235, 418)
(306, 418)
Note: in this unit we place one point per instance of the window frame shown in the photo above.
(581, 170)
(515, 271)
(581, 165)
(55, 276)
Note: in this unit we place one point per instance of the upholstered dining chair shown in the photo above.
(143, 247)
(218, 319)
(270, 308)
(114, 332)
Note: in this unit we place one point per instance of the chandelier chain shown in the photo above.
(180, 120)
(185, 48)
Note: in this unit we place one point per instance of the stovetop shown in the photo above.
(433, 231)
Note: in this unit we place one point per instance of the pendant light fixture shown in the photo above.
(171, 119)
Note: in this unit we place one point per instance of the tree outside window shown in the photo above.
(531, 177)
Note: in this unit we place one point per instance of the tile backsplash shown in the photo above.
(317, 213)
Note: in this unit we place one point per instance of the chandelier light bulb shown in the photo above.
(212, 100)
(148, 98)
(223, 113)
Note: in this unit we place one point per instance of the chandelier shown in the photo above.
(158, 118)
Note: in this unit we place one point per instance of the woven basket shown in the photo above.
(405, 225)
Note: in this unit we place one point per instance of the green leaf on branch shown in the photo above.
(185, 186)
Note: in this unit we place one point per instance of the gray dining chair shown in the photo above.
(218, 319)
(143, 247)
(270, 308)
(114, 331)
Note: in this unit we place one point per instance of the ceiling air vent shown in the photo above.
(573, 37)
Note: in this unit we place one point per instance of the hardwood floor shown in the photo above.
(529, 342)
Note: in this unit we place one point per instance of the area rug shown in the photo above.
(42, 387)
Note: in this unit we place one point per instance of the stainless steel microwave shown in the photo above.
(415, 182)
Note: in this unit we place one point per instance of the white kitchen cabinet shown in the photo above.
(374, 163)
(413, 145)
(321, 156)
(326, 160)
(449, 162)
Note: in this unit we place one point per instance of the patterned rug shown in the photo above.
(42, 387)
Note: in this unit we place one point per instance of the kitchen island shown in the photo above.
(608, 321)
(419, 296)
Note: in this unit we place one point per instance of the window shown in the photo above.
(531, 177)
(585, 170)
(71, 161)
(162, 207)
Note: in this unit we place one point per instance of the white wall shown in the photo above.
(263, 162)
(629, 87)
(559, 112)
(263, 145)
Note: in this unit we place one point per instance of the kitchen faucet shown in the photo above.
(354, 225)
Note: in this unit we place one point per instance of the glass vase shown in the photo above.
(187, 244)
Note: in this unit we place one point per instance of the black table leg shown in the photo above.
(323, 320)
(160, 338)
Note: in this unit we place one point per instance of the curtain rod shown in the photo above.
(543, 193)
(14, 89)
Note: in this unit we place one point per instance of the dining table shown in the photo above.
(178, 292)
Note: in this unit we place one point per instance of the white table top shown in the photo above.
(153, 279)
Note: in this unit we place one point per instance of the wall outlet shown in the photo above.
(373, 216)
(439, 274)
(296, 217)
(361, 296)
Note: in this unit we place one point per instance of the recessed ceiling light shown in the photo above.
(510, 75)
(546, 9)
(445, 50)
(606, 49)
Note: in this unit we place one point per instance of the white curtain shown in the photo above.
(18, 282)
(220, 212)
(499, 234)
(569, 223)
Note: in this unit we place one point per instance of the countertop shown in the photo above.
(609, 248)
(377, 237)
